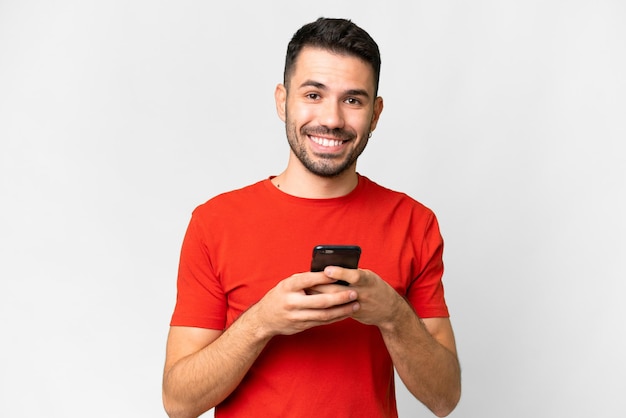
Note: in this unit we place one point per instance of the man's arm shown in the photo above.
(203, 367)
(424, 355)
(423, 352)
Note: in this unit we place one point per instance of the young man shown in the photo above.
(253, 332)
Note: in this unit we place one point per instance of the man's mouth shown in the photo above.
(326, 142)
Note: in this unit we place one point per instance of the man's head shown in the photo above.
(339, 36)
(329, 99)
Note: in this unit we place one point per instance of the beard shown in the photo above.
(323, 165)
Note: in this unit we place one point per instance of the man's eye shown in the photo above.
(353, 101)
(313, 96)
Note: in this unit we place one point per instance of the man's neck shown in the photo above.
(298, 181)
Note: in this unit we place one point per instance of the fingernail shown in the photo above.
(356, 307)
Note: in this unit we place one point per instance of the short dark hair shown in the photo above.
(336, 35)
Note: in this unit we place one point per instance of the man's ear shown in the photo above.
(280, 96)
(378, 109)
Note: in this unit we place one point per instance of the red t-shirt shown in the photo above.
(241, 244)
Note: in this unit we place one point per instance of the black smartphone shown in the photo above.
(346, 256)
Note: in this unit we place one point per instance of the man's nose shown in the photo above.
(331, 115)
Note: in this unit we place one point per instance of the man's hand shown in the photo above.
(378, 301)
(290, 307)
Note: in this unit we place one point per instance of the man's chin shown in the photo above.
(327, 170)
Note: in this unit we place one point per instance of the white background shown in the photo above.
(506, 118)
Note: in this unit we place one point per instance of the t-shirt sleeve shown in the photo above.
(426, 292)
(200, 301)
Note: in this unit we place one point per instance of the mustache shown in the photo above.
(336, 133)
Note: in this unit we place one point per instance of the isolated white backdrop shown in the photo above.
(117, 118)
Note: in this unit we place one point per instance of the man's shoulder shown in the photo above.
(230, 200)
(387, 196)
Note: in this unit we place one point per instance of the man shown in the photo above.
(253, 332)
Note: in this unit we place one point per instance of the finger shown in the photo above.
(325, 288)
(350, 276)
(316, 300)
(315, 317)
(306, 280)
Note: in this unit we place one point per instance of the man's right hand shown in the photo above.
(203, 366)
(289, 308)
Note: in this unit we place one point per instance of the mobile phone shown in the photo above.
(346, 256)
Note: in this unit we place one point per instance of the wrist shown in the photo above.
(254, 326)
(399, 313)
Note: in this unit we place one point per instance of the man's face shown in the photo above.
(329, 110)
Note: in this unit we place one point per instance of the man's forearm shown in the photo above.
(430, 371)
(200, 381)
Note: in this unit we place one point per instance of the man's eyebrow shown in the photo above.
(358, 92)
(322, 86)
(313, 83)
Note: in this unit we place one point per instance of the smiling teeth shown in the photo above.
(325, 142)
